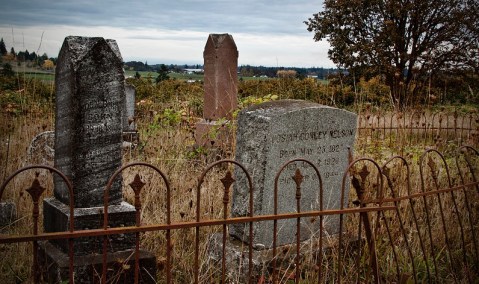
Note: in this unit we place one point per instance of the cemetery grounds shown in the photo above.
(166, 128)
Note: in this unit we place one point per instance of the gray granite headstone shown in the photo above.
(42, 149)
(90, 88)
(273, 133)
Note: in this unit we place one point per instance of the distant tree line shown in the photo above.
(23, 56)
(243, 71)
(317, 72)
(140, 66)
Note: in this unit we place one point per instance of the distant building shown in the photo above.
(191, 71)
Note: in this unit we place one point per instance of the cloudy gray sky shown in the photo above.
(268, 33)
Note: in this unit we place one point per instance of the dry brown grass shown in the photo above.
(170, 148)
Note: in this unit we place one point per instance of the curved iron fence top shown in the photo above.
(385, 172)
(364, 173)
(201, 179)
(136, 185)
(432, 166)
(281, 169)
(50, 169)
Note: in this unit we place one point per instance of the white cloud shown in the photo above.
(266, 33)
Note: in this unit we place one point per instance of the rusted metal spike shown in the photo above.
(298, 178)
(433, 167)
(356, 184)
(228, 180)
(350, 155)
(36, 189)
(364, 173)
(431, 164)
(386, 171)
(137, 184)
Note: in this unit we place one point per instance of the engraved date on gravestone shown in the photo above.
(326, 150)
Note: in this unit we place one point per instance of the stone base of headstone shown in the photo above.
(8, 213)
(214, 133)
(237, 262)
(236, 258)
(121, 215)
(88, 268)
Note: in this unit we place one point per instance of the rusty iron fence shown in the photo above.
(419, 127)
(405, 221)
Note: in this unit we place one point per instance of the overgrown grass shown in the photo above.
(166, 117)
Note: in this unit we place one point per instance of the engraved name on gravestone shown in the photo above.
(90, 92)
(270, 134)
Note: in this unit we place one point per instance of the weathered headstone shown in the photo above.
(90, 101)
(273, 133)
(221, 77)
(129, 123)
(220, 86)
(89, 97)
(42, 149)
(130, 133)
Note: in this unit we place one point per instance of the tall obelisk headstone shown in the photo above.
(271, 134)
(220, 87)
(89, 105)
(90, 102)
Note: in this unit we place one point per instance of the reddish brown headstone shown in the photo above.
(221, 78)
(220, 84)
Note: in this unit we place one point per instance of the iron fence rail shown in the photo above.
(418, 127)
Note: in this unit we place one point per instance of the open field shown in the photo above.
(49, 75)
(181, 76)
